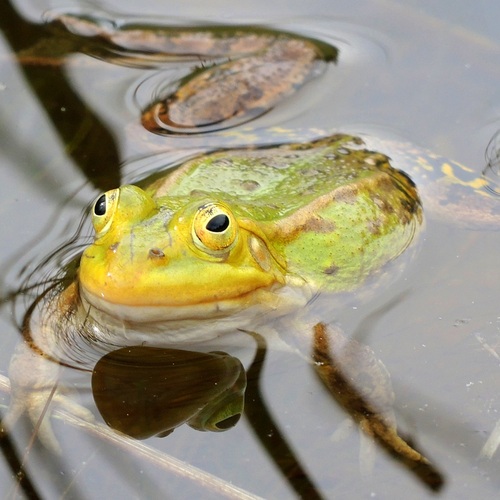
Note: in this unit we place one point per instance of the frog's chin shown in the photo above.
(201, 322)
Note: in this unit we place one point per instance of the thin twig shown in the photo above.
(162, 460)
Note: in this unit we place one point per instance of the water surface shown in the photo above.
(406, 70)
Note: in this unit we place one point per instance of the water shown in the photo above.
(413, 70)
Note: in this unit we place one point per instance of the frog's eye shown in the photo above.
(214, 227)
(100, 206)
(121, 208)
(103, 210)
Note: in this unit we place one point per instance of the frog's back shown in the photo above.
(334, 209)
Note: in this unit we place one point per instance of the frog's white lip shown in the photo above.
(192, 323)
(161, 313)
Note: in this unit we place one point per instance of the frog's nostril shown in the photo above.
(156, 253)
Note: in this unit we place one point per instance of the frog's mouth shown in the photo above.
(204, 320)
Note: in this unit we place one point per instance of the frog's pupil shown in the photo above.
(218, 224)
(100, 205)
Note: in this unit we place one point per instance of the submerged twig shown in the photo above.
(166, 462)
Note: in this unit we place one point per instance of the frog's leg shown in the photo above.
(359, 382)
(34, 372)
(367, 451)
(34, 391)
(32, 388)
(355, 360)
(450, 191)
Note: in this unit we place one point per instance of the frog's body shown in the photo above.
(293, 220)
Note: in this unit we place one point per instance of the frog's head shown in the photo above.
(149, 254)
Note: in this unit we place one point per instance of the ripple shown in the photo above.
(492, 170)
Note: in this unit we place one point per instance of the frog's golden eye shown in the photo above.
(214, 227)
(103, 210)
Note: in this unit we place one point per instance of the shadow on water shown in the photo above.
(89, 143)
(145, 391)
(269, 434)
(339, 382)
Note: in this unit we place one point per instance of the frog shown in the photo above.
(235, 241)
(286, 252)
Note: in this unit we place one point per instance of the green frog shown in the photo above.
(233, 241)
(243, 239)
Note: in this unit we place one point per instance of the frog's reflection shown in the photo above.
(146, 391)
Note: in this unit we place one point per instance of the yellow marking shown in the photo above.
(280, 130)
(476, 183)
(466, 169)
(425, 164)
(249, 135)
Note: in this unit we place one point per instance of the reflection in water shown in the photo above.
(235, 92)
(251, 71)
(146, 391)
(85, 137)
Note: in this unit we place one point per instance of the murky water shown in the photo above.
(411, 70)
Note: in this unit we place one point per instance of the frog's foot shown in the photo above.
(367, 448)
(34, 392)
(343, 431)
(38, 405)
(367, 451)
